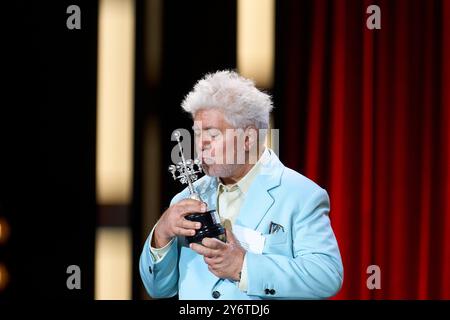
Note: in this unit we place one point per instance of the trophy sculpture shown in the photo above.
(186, 171)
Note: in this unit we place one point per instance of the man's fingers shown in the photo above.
(206, 252)
(186, 224)
(213, 261)
(184, 232)
(213, 243)
(192, 207)
(209, 261)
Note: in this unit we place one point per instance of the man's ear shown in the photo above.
(251, 137)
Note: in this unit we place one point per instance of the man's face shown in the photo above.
(216, 143)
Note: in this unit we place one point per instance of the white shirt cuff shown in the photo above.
(243, 283)
(158, 253)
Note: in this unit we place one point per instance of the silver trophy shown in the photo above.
(186, 172)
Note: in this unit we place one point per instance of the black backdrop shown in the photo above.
(47, 147)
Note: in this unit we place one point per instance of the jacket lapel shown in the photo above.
(258, 199)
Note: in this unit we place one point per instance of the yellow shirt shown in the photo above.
(230, 198)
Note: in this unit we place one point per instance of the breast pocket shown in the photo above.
(276, 243)
(279, 237)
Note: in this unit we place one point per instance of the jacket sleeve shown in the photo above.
(314, 268)
(160, 277)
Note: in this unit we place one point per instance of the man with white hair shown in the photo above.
(283, 213)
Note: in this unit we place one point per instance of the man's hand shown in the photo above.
(223, 259)
(172, 223)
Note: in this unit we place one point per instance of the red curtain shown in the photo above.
(365, 113)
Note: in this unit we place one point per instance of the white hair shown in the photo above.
(241, 102)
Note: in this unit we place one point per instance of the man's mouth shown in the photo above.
(207, 160)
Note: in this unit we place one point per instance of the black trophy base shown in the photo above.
(209, 229)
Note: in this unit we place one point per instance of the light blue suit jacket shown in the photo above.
(301, 262)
